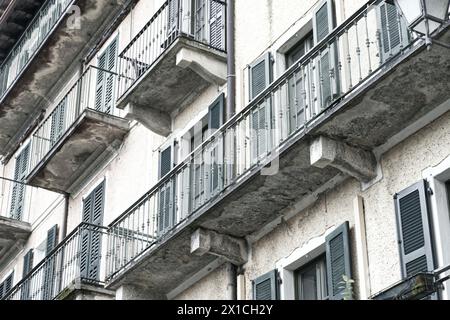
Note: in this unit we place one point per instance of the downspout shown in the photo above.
(231, 59)
(231, 269)
(65, 217)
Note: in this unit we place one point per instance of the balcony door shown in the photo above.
(90, 247)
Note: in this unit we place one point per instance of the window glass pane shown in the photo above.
(311, 280)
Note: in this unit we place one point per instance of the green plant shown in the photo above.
(347, 285)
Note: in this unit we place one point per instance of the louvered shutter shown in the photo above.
(260, 75)
(393, 31)
(338, 261)
(414, 231)
(296, 102)
(27, 267)
(58, 122)
(90, 237)
(48, 283)
(323, 24)
(173, 17)
(217, 25)
(18, 193)
(105, 85)
(166, 192)
(266, 287)
(6, 286)
(215, 121)
(261, 130)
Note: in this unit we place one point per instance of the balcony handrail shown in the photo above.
(80, 96)
(167, 25)
(242, 113)
(145, 27)
(38, 48)
(55, 250)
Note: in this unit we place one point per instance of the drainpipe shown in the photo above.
(231, 271)
(231, 67)
(65, 217)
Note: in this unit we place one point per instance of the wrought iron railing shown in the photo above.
(94, 90)
(15, 199)
(349, 56)
(202, 21)
(30, 42)
(78, 257)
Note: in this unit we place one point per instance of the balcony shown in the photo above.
(70, 271)
(14, 214)
(178, 53)
(14, 18)
(83, 130)
(53, 40)
(311, 129)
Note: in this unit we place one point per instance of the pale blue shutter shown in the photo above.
(393, 31)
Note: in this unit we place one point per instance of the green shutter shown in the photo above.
(323, 20)
(260, 75)
(265, 287)
(58, 122)
(105, 84)
(52, 239)
(48, 282)
(27, 267)
(90, 237)
(6, 285)
(27, 263)
(215, 150)
(18, 192)
(323, 24)
(393, 34)
(215, 115)
(166, 197)
(338, 261)
(414, 232)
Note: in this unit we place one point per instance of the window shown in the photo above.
(18, 193)
(166, 217)
(314, 275)
(6, 286)
(299, 50)
(104, 95)
(311, 281)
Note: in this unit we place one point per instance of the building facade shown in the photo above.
(209, 149)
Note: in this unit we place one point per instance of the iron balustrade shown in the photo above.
(15, 199)
(199, 20)
(348, 57)
(67, 263)
(32, 39)
(93, 90)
